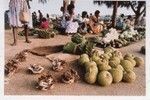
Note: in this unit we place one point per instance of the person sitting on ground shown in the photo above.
(84, 23)
(129, 22)
(71, 26)
(95, 26)
(44, 24)
(120, 22)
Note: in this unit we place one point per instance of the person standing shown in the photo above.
(40, 17)
(15, 7)
(70, 9)
(34, 19)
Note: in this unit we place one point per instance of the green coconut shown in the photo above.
(90, 77)
(127, 65)
(129, 76)
(83, 59)
(77, 38)
(117, 74)
(69, 47)
(108, 49)
(104, 78)
(139, 61)
(114, 61)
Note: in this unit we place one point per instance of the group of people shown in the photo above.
(68, 24)
(40, 21)
(86, 24)
(129, 22)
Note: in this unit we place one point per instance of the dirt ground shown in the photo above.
(23, 83)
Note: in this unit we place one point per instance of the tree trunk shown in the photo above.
(138, 15)
(137, 18)
(114, 16)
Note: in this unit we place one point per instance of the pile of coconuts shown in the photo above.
(109, 66)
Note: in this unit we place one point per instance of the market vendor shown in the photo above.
(95, 25)
(44, 24)
(16, 8)
(84, 23)
(129, 22)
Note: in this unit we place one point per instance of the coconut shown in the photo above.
(104, 56)
(127, 65)
(117, 54)
(139, 61)
(95, 58)
(129, 56)
(90, 77)
(129, 76)
(114, 61)
(91, 67)
(117, 74)
(131, 60)
(108, 49)
(120, 67)
(77, 38)
(83, 59)
(69, 47)
(109, 54)
(104, 78)
(103, 65)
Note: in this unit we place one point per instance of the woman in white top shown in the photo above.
(15, 6)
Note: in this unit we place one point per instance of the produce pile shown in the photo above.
(60, 69)
(12, 65)
(109, 66)
(78, 45)
(46, 34)
(117, 40)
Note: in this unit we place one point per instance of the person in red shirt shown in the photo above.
(44, 24)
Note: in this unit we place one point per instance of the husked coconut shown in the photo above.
(139, 61)
(104, 78)
(117, 74)
(127, 65)
(129, 76)
(114, 61)
(90, 77)
(83, 59)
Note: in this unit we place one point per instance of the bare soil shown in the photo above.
(23, 83)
